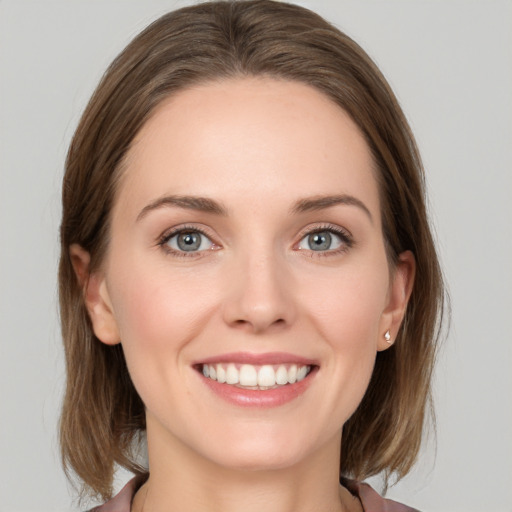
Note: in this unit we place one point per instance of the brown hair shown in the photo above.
(102, 413)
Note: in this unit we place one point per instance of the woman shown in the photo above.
(247, 273)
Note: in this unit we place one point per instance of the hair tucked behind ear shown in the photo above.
(102, 413)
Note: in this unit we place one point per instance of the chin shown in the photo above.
(260, 451)
(252, 461)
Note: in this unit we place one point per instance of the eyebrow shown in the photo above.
(205, 204)
(202, 204)
(320, 202)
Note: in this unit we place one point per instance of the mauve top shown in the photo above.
(370, 499)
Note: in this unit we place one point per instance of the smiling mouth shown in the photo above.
(255, 377)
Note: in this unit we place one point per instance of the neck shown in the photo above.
(181, 479)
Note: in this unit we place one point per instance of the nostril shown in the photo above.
(258, 325)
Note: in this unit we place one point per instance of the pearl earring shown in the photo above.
(387, 337)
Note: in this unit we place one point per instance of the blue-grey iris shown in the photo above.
(320, 241)
(189, 241)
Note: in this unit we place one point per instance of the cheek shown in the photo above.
(154, 304)
(348, 316)
(158, 313)
(349, 306)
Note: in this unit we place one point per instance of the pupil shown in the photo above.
(189, 241)
(320, 241)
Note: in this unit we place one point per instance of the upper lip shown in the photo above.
(258, 359)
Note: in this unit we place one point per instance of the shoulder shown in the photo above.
(371, 500)
(122, 502)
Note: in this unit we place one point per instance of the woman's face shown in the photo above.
(246, 238)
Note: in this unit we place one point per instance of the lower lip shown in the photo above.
(260, 398)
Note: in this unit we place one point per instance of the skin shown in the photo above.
(256, 147)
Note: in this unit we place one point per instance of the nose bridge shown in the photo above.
(260, 296)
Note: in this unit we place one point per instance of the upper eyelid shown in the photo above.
(308, 230)
(176, 230)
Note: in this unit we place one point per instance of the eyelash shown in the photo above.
(166, 236)
(346, 238)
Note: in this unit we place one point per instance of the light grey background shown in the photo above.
(450, 63)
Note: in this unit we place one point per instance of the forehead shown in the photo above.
(248, 137)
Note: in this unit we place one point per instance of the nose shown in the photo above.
(260, 295)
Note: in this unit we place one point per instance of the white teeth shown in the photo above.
(248, 375)
(301, 373)
(221, 374)
(262, 377)
(266, 376)
(231, 374)
(292, 374)
(282, 375)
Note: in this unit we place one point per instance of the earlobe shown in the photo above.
(400, 290)
(96, 296)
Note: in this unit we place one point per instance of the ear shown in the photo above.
(400, 289)
(96, 296)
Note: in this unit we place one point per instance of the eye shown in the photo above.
(325, 240)
(189, 241)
